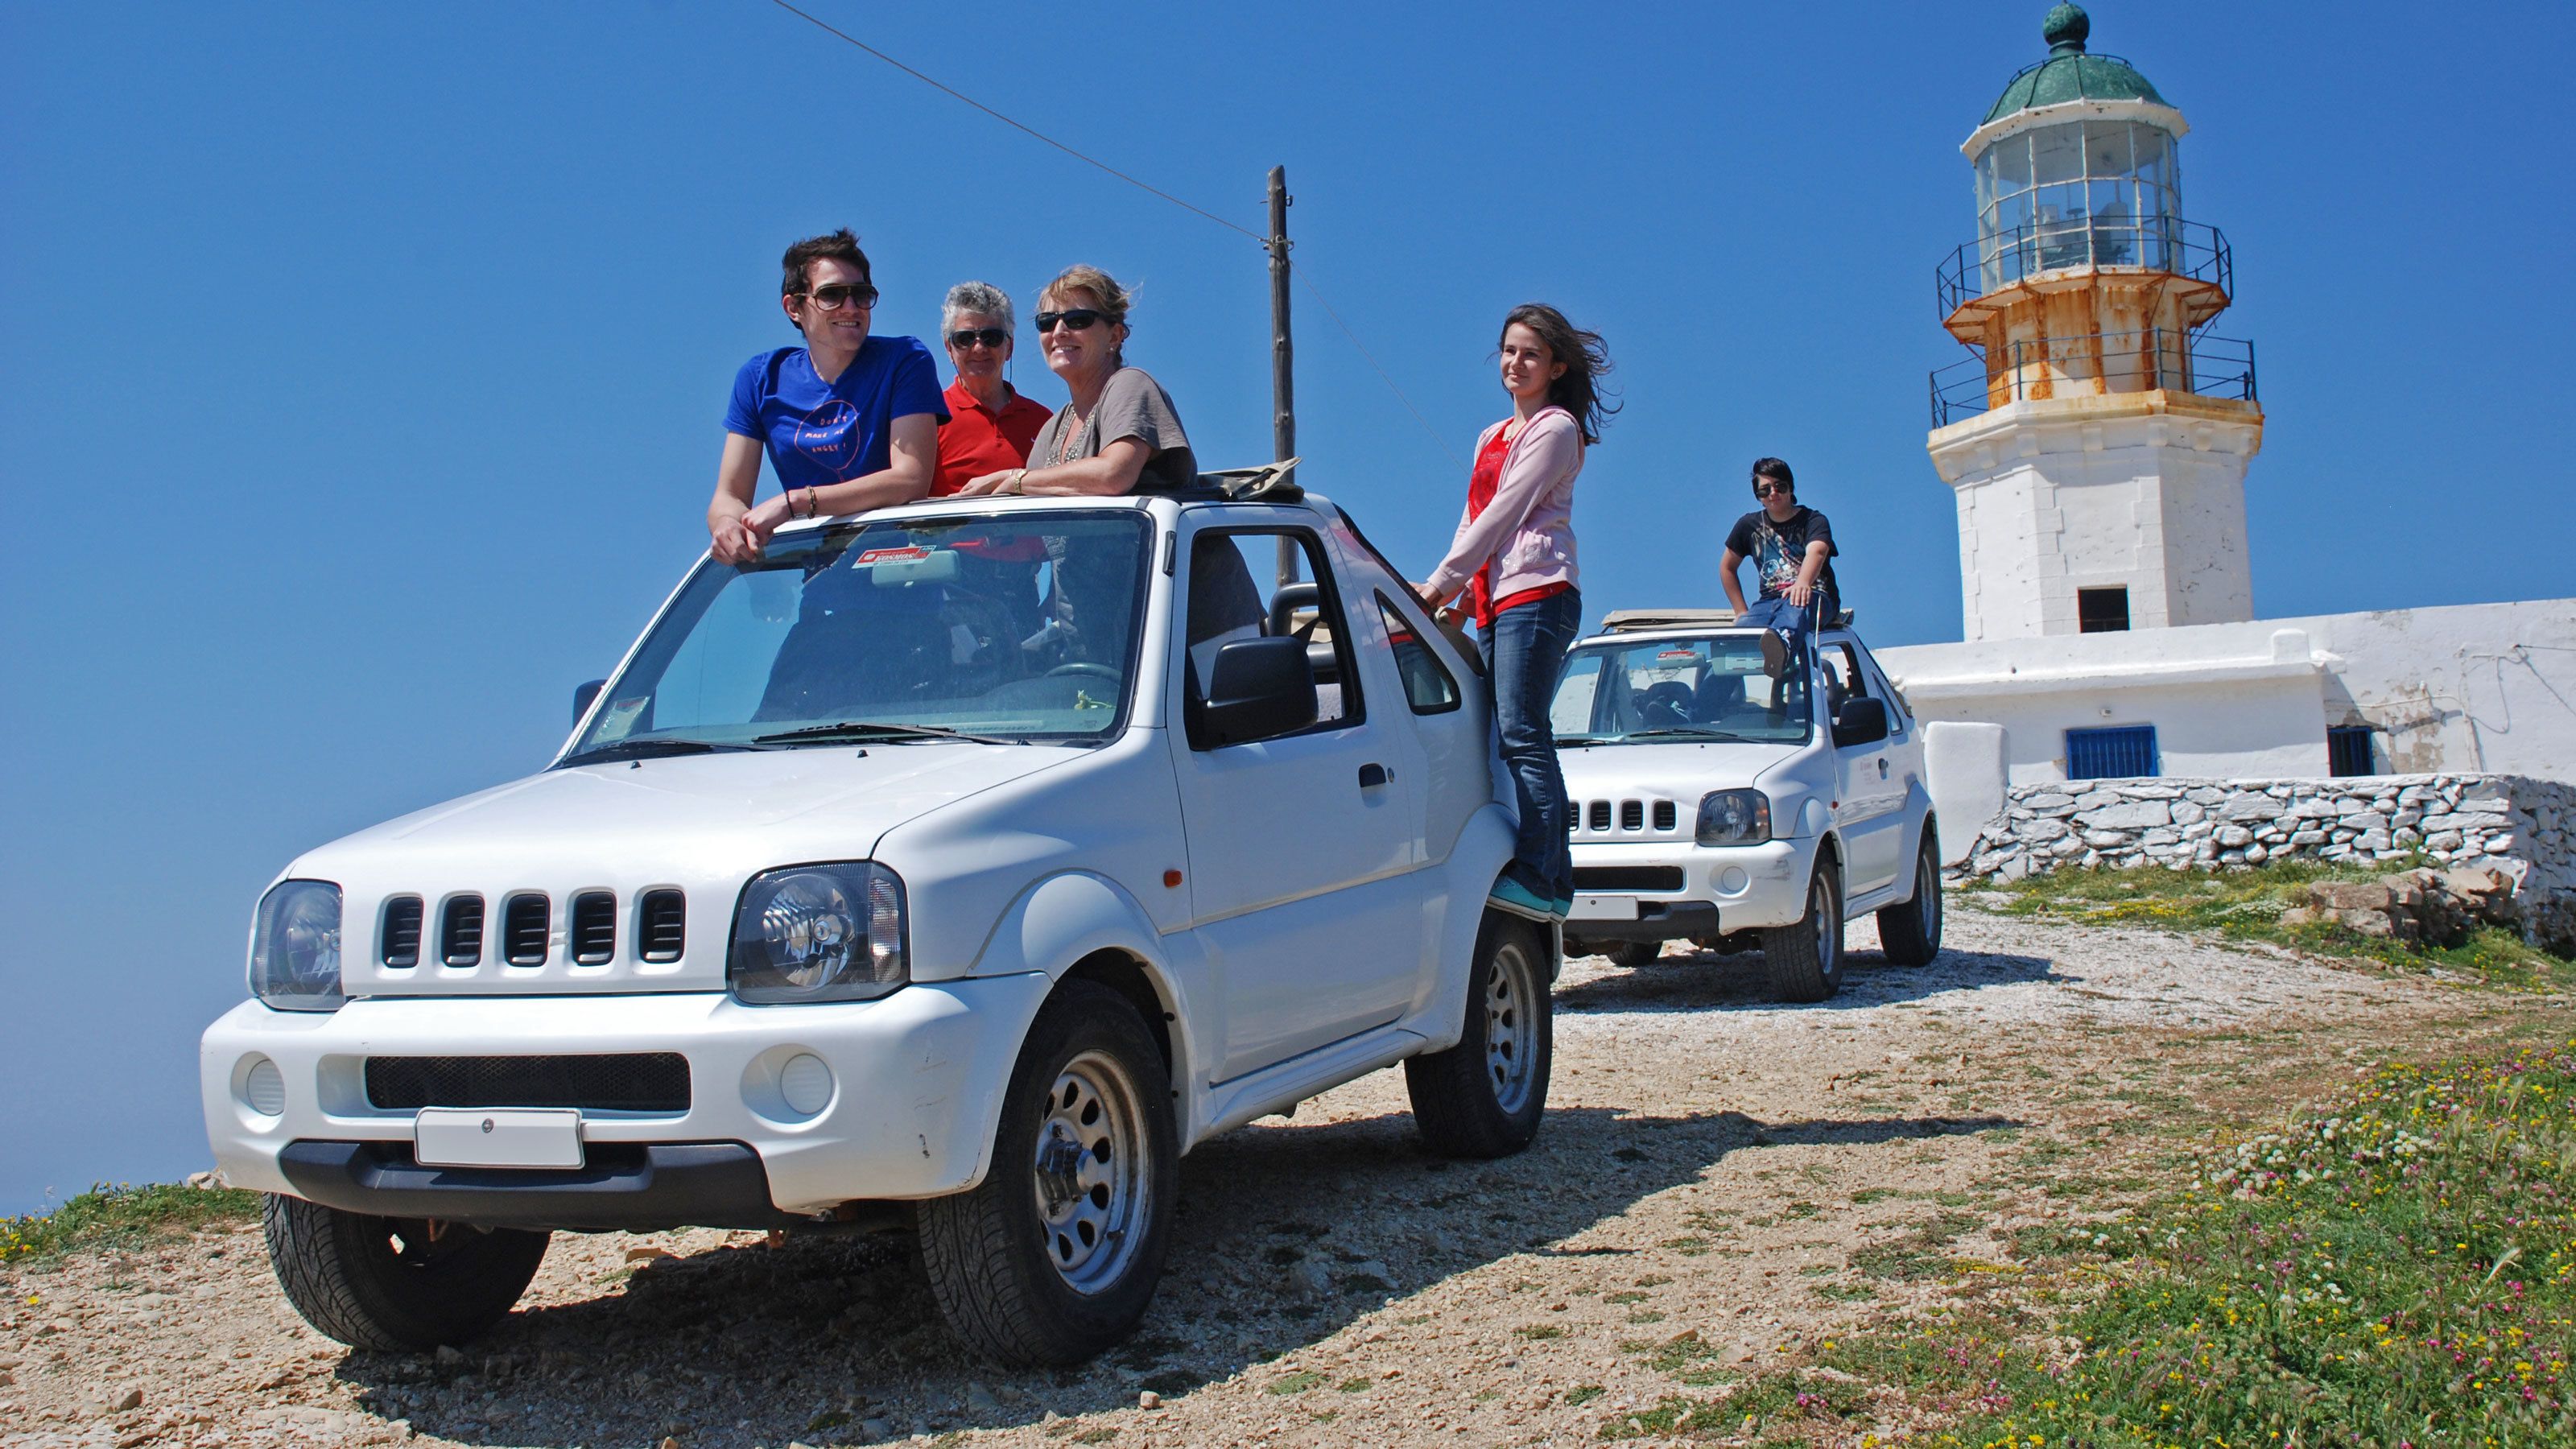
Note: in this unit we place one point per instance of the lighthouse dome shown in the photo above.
(2069, 74)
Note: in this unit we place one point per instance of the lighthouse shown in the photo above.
(2097, 436)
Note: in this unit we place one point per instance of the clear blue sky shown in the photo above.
(420, 319)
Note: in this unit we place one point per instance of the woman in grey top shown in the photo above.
(1120, 433)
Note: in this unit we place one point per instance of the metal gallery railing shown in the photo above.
(2090, 366)
(2149, 243)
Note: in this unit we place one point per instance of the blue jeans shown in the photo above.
(1524, 657)
(1778, 613)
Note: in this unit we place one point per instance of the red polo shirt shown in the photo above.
(977, 440)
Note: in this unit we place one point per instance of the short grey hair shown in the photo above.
(981, 297)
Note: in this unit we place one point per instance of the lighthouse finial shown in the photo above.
(2065, 29)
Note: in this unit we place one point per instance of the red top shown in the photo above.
(976, 440)
(1480, 491)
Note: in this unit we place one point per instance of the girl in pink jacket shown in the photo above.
(1513, 557)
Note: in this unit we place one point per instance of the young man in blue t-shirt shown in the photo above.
(849, 421)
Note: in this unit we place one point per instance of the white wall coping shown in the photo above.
(2290, 658)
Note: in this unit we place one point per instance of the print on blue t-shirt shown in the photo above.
(818, 432)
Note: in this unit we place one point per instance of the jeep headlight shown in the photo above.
(1734, 817)
(295, 947)
(818, 933)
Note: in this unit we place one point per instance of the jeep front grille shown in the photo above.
(1628, 878)
(401, 943)
(523, 929)
(662, 925)
(1599, 816)
(594, 928)
(635, 1082)
(460, 932)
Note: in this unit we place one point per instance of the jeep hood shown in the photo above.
(698, 824)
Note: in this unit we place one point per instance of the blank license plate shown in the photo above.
(1604, 908)
(497, 1137)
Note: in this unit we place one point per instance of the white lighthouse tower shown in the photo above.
(2098, 440)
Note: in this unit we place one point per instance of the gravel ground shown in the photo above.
(1719, 1181)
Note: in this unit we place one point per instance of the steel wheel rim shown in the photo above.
(1820, 903)
(1089, 1177)
(1511, 1028)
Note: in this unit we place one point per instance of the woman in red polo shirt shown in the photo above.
(1514, 557)
(990, 426)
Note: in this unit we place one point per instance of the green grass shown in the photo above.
(122, 1216)
(1298, 1382)
(2397, 1269)
(2245, 903)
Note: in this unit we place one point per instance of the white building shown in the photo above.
(2097, 442)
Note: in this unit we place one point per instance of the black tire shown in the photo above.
(1055, 1256)
(1806, 960)
(1484, 1097)
(1632, 953)
(1911, 932)
(399, 1285)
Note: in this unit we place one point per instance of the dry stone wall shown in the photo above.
(2522, 828)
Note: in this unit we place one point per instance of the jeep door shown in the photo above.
(1301, 846)
(1871, 816)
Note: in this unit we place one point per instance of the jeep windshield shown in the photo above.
(1013, 629)
(1670, 690)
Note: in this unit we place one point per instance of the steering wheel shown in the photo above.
(1671, 696)
(1084, 666)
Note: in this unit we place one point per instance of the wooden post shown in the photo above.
(1283, 387)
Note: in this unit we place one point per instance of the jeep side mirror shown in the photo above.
(582, 695)
(1861, 721)
(1259, 689)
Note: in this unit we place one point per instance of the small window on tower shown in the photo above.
(2102, 611)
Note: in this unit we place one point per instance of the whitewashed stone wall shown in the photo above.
(2521, 827)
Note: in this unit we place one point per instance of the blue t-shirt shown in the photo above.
(819, 432)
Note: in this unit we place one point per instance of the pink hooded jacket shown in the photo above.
(1527, 532)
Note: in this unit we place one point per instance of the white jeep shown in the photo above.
(1715, 803)
(908, 877)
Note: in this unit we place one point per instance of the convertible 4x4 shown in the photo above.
(1715, 803)
(955, 867)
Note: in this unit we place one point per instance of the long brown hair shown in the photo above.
(1586, 359)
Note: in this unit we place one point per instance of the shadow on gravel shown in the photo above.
(1285, 1234)
(1705, 981)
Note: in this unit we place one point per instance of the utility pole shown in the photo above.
(1283, 385)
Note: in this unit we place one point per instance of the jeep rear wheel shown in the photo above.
(1911, 932)
(1806, 960)
(1056, 1255)
(1484, 1096)
(395, 1284)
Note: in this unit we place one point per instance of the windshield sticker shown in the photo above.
(890, 555)
(1678, 654)
(618, 718)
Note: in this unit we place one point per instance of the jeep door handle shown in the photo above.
(1882, 767)
(1373, 775)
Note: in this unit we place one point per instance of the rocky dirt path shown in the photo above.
(1719, 1182)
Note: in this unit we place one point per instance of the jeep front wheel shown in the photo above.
(399, 1285)
(1805, 960)
(1484, 1096)
(1056, 1254)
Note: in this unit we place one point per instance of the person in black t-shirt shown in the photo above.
(1792, 549)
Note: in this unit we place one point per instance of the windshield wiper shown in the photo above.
(1701, 732)
(865, 729)
(645, 748)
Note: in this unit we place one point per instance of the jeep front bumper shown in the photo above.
(1664, 890)
(914, 1093)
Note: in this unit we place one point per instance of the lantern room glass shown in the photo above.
(2079, 193)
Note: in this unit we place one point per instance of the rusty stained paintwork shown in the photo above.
(2100, 333)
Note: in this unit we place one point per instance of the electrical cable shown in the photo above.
(1300, 273)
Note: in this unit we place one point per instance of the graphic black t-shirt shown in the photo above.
(1779, 550)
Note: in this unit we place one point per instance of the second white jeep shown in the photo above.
(1713, 802)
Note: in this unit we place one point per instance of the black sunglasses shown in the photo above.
(840, 294)
(1077, 318)
(1765, 490)
(967, 337)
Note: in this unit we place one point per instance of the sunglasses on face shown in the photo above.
(1077, 318)
(838, 295)
(1765, 490)
(968, 337)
